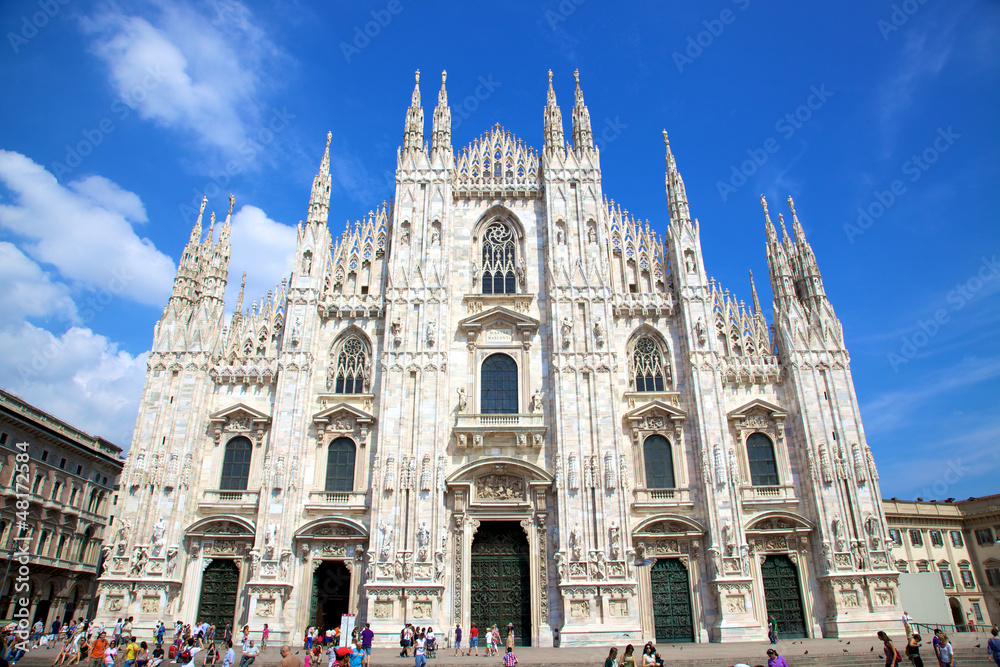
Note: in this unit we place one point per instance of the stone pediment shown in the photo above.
(221, 526)
(343, 411)
(758, 407)
(239, 419)
(669, 524)
(655, 410)
(779, 521)
(496, 315)
(331, 528)
(240, 413)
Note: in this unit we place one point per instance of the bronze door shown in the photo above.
(219, 588)
(501, 581)
(782, 596)
(671, 601)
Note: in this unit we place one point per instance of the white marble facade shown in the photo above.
(380, 335)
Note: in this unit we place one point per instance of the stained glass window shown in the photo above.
(352, 367)
(498, 260)
(647, 365)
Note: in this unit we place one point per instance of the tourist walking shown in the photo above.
(936, 644)
(419, 650)
(458, 639)
(509, 659)
(892, 656)
(775, 660)
(612, 659)
(993, 646)
(772, 629)
(650, 658)
(474, 639)
(947, 651)
(490, 644)
(913, 650)
(628, 660)
(906, 623)
(264, 634)
(230, 657)
(510, 636)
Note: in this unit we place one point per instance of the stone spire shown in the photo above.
(810, 280)
(583, 136)
(413, 135)
(677, 201)
(441, 129)
(319, 199)
(772, 234)
(756, 300)
(554, 137)
(238, 312)
(210, 237)
(227, 226)
(196, 230)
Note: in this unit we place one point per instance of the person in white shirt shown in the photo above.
(250, 654)
(230, 656)
(906, 624)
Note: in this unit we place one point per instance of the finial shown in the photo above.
(329, 136)
(444, 76)
(791, 205)
(666, 139)
(550, 78)
(763, 203)
(576, 75)
(232, 202)
(416, 75)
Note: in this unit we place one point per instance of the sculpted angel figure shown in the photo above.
(463, 399)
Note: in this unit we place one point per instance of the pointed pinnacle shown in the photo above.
(324, 165)
(232, 202)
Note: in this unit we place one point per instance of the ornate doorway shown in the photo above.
(219, 588)
(500, 579)
(671, 601)
(782, 595)
(330, 600)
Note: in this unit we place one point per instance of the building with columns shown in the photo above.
(64, 480)
(501, 398)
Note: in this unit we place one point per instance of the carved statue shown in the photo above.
(286, 560)
(397, 329)
(591, 235)
(124, 530)
(390, 474)
(435, 237)
(431, 332)
(699, 329)
(475, 273)
(463, 400)
(386, 549)
(536, 401)
(560, 565)
(158, 531)
(269, 536)
(560, 236)
(600, 333)
(573, 481)
(439, 562)
(728, 538)
(521, 271)
(567, 331)
(576, 544)
(423, 535)
(838, 540)
(616, 540)
(404, 236)
(307, 263)
(171, 561)
(139, 560)
(734, 469)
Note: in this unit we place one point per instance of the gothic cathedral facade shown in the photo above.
(502, 399)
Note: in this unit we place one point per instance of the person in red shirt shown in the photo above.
(474, 639)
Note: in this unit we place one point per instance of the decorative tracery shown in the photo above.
(499, 259)
(353, 374)
(647, 368)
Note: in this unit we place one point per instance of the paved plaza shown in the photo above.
(821, 653)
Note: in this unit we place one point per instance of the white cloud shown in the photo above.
(84, 231)
(265, 249)
(187, 70)
(80, 377)
(27, 291)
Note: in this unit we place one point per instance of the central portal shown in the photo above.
(330, 599)
(501, 580)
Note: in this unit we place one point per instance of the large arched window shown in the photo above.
(236, 465)
(760, 455)
(499, 385)
(498, 259)
(340, 465)
(352, 367)
(647, 365)
(659, 462)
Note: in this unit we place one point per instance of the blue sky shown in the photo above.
(118, 117)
